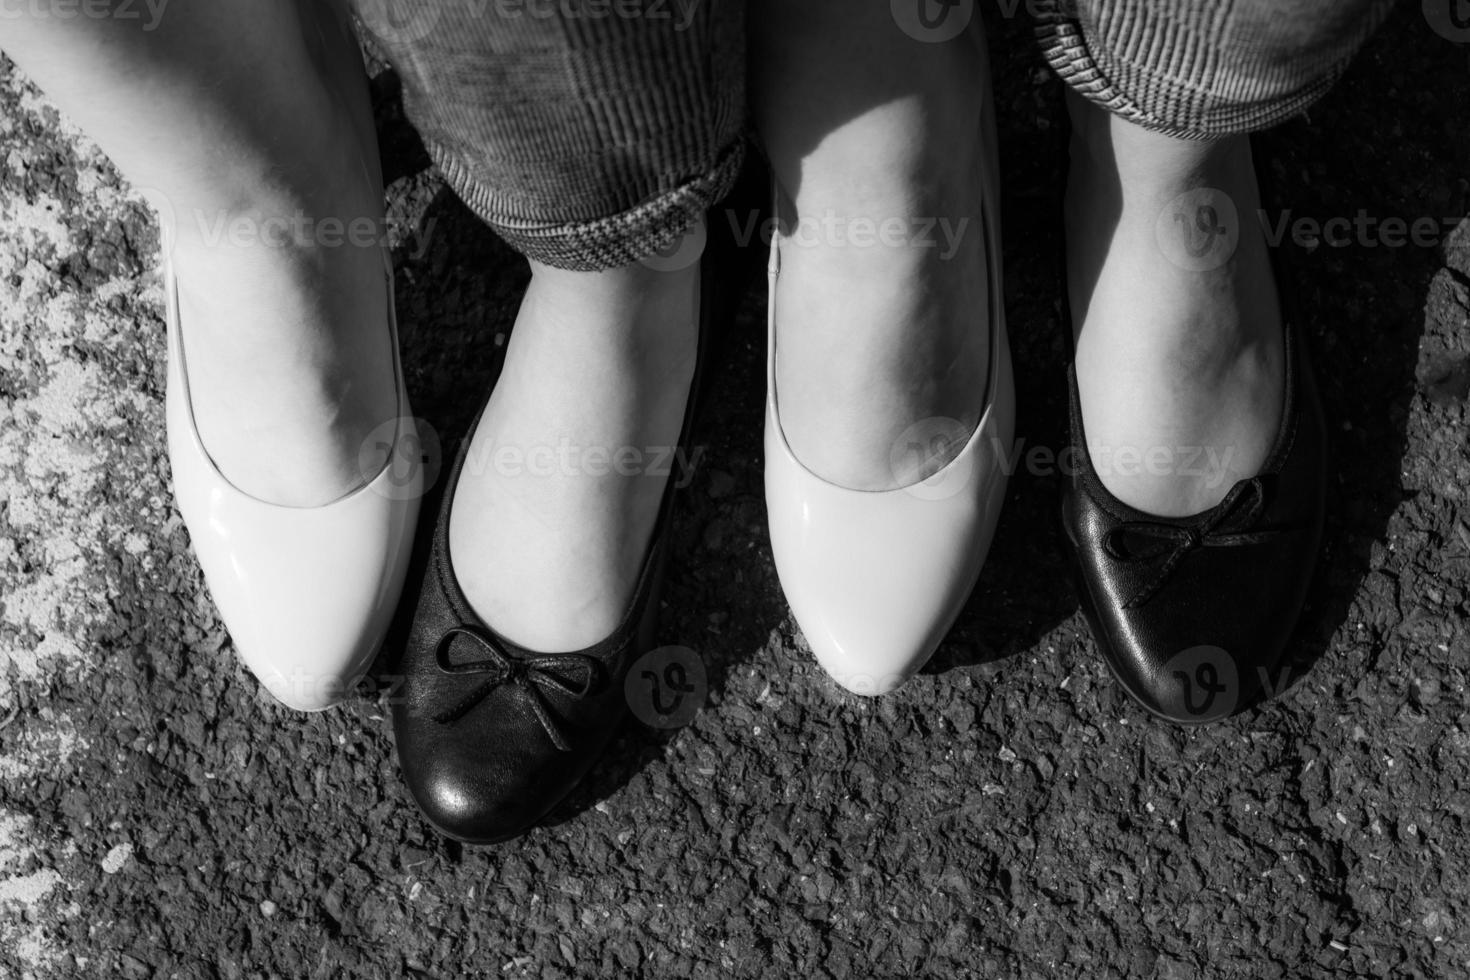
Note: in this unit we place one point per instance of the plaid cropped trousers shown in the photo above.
(593, 133)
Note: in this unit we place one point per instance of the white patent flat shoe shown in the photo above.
(307, 593)
(876, 579)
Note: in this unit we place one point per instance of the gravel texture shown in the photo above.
(1008, 814)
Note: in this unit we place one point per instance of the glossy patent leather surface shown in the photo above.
(307, 593)
(876, 579)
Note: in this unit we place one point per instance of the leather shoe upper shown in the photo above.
(491, 736)
(1193, 614)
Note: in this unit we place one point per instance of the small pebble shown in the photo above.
(117, 858)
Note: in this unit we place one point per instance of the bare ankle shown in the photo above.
(641, 319)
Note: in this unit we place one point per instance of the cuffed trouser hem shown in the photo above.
(589, 135)
(605, 243)
(1193, 70)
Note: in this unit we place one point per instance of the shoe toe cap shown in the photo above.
(1194, 661)
(1197, 685)
(307, 594)
(872, 648)
(304, 675)
(458, 803)
(476, 793)
(309, 634)
(876, 580)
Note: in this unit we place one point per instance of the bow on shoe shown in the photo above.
(572, 674)
(1231, 525)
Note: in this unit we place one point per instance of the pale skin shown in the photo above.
(239, 111)
(255, 108)
(550, 556)
(1200, 354)
(863, 124)
(866, 121)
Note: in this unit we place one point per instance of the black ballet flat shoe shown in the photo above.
(1193, 614)
(490, 736)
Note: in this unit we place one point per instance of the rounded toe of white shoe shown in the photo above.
(870, 644)
(302, 691)
(308, 621)
(307, 676)
(875, 580)
(307, 594)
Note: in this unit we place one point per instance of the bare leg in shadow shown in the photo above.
(876, 141)
(247, 124)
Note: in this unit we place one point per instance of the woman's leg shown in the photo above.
(589, 141)
(548, 534)
(869, 128)
(1196, 360)
(246, 122)
(1162, 191)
